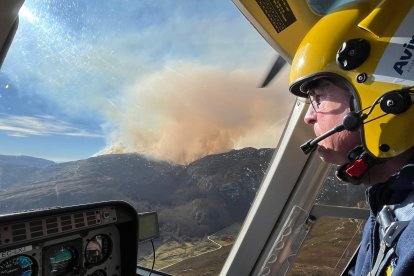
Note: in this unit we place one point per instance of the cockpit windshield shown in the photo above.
(152, 102)
(323, 7)
(156, 103)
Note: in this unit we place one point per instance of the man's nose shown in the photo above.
(310, 116)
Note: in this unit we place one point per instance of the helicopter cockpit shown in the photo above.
(93, 89)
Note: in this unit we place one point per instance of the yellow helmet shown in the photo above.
(372, 52)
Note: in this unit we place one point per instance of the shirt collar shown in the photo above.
(396, 185)
(404, 179)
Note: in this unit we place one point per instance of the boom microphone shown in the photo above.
(352, 121)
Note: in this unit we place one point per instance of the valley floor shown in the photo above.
(326, 251)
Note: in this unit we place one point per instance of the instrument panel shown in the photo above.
(97, 239)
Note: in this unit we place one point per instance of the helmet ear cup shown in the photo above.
(396, 102)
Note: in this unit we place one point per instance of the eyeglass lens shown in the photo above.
(313, 96)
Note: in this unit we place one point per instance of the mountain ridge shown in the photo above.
(192, 200)
(25, 160)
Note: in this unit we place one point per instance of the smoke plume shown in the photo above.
(186, 111)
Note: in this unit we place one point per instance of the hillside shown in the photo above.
(192, 201)
(16, 169)
(210, 195)
(25, 161)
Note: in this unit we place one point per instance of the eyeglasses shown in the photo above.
(313, 96)
(314, 100)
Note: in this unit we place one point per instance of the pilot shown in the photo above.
(359, 77)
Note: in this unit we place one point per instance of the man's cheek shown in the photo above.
(317, 130)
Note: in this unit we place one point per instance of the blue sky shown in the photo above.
(84, 77)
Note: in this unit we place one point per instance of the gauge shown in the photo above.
(20, 265)
(62, 260)
(99, 272)
(98, 249)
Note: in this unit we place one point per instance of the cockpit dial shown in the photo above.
(98, 249)
(62, 260)
(20, 265)
(99, 272)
